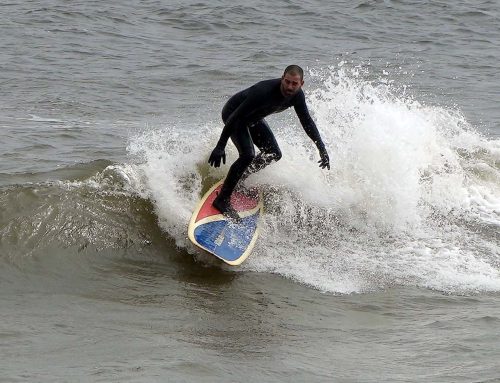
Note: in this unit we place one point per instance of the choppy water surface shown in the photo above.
(385, 268)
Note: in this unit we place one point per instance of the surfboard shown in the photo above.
(227, 239)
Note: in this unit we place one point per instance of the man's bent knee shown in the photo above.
(275, 155)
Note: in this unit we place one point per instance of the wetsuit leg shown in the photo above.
(243, 142)
(264, 139)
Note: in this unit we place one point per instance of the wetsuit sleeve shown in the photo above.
(307, 121)
(240, 115)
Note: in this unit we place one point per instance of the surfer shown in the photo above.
(243, 116)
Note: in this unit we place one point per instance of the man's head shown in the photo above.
(292, 80)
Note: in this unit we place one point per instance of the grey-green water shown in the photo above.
(384, 269)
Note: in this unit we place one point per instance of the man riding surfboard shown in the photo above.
(243, 116)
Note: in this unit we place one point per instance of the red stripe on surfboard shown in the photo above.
(240, 202)
(207, 209)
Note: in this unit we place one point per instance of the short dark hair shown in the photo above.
(294, 69)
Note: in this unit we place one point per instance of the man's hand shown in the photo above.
(217, 155)
(325, 160)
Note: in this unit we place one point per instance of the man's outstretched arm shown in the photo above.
(312, 131)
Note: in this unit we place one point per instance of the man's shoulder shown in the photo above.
(267, 84)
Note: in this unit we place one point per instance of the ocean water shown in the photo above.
(384, 269)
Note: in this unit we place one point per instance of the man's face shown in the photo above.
(290, 84)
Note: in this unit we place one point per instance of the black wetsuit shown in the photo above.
(243, 116)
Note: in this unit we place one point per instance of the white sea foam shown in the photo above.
(413, 196)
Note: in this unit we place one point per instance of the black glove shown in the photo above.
(325, 160)
(217, 154)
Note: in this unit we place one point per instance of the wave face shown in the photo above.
(412, 197)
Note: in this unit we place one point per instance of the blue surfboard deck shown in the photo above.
(228, 240)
